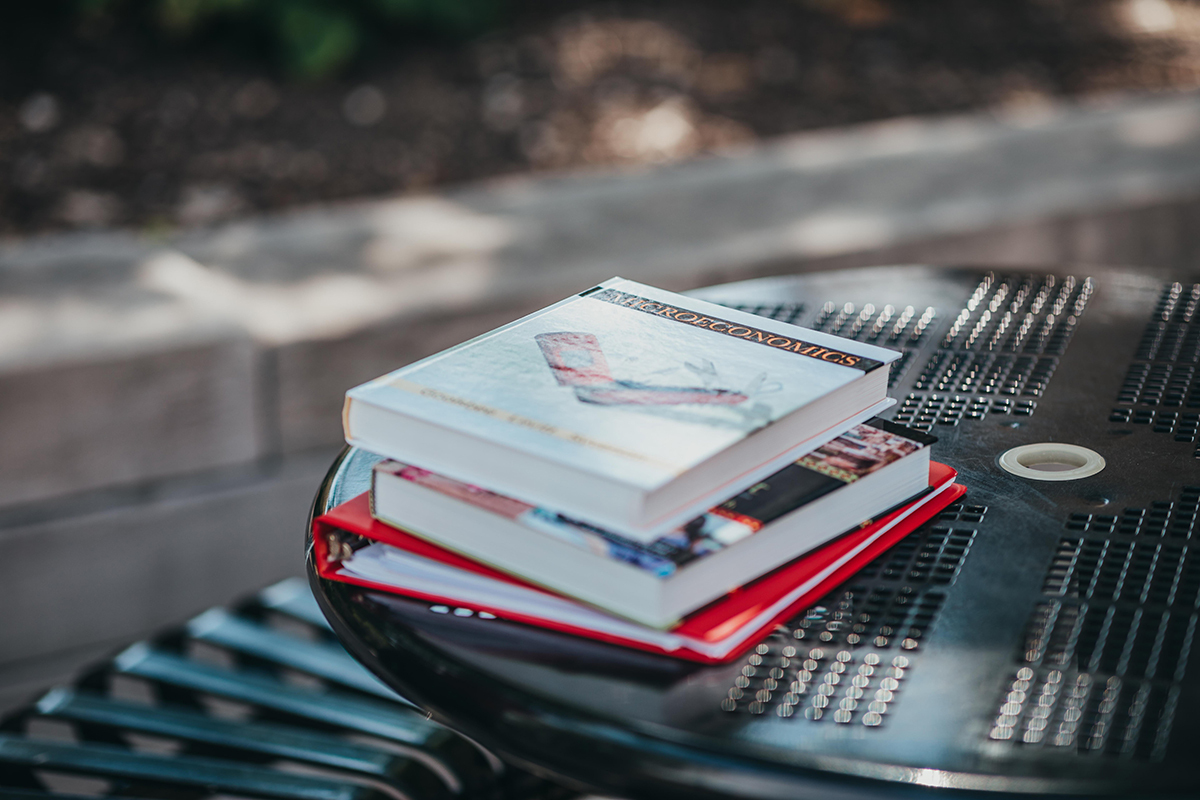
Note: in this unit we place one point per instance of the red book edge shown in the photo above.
(712, 623)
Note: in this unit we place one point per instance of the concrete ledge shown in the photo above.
(81, 581)
(70, 427)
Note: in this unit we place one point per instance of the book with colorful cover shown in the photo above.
(352, 547)
(634, 407)
(865, 471)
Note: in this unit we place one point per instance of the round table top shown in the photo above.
(1054, 620)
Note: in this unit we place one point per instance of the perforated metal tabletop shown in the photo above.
(1037, 638)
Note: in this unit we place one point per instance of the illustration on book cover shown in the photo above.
(578, 363)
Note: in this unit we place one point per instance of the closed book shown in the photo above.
(867, 470)
(352, 547)
(632, 407)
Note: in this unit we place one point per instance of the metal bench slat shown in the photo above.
(333, 708)
(208, 773)
(339, 709)
(281, 741)
(42, 794)
(293, 598)
(327, 661)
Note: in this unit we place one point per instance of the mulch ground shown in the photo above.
(101, 126)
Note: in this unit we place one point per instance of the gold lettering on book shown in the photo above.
(547, 428)
(736, 330)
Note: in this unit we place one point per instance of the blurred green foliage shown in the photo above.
(307, 38)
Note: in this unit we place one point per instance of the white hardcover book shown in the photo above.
(626, 405)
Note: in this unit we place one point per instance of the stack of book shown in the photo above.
(634, 466)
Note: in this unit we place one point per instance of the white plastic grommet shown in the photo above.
(1051, 461)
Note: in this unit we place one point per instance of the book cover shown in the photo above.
(855, 454)
(624, 381)
(713, 634)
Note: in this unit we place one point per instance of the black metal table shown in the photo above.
(1035, 639)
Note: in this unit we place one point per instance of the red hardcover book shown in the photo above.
(398, 562)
